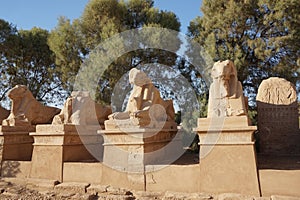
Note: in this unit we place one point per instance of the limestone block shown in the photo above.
(278, 197)
(186, 196)
(88, 172)
(95, 188)
(283, 182)
(16, 143)
(138, 147)
(122, 179)
(128, 151)
(47, 162)
(56, 144)
(233, 196)
(226, 163)
(72, 187)
(41, 184)
(228, 154)
(179, 178)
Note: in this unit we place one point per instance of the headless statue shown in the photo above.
(80, 109)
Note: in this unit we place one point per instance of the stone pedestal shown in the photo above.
(129, 150)
(227, 156)
(55, 144)
(278, 118)
(278, 129)
(16, 143)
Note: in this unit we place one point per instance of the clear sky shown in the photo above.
(26, 14)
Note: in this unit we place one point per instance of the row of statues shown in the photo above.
(145, 106)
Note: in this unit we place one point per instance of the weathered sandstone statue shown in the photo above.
(278, 120)
(80, 109)
(226, 94)
(145, 106)
(3, 114)
(277, 91)
(26, 110)
(226, 137)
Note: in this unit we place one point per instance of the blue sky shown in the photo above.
(44, 13)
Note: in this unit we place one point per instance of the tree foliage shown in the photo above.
(26, 59)
(101, 19)
(260, 36)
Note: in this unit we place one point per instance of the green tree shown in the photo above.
(7, 34)
(101, 19)
(66, 41)
(26, 59)
(260, 36)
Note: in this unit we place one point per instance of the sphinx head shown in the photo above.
(18, 91)
(225, 76)
(138, 77)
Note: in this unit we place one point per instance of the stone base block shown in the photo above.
(136, 123)
(220, 123)
(279, 182)
(41, 184)
(47, 162)
(56, 144)
(180, 178)
(16, 143)
(229, 169)
(228, 161)
(82, 172)
(279, 175)
(117, 178)
(72, 187)
(131, 148)
(128, 151)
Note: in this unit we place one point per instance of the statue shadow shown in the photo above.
(10, 169)
(279, 162)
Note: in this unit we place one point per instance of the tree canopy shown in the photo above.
(73, 41)
(260, 36)
(26, 59)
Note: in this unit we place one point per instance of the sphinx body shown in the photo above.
(80, 109)
(145, 107)
(226, 94)
(26, 110)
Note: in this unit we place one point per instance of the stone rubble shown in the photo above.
(16, 189)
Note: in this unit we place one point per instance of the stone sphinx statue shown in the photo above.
(26, 110)
(145, 107)
(80, 109)
(226, 94)
(3, 114)
(277, 91)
